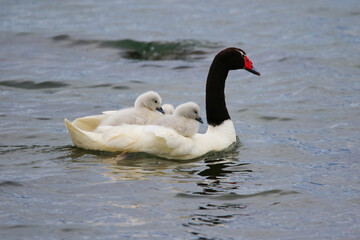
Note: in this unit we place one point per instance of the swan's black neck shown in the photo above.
(216, 111)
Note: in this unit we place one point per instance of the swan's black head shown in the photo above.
(227, 59)
(235, 58)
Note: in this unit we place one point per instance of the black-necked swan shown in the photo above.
(185, 120)
(147, 109)
(165, 142)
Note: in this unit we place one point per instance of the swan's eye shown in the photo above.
(155, 101)
(196, 112)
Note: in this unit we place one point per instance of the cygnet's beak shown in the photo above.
(160, 110)
(199, 120)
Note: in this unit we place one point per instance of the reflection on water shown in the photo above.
(135, 166)
(216, 181)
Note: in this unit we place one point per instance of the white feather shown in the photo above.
(183, 121)
(142, 113)
(152, 139)
(168, 109)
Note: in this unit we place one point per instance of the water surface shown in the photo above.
(294, 174)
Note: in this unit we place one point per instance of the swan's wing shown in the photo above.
(82, 138)
(89, 123)
(123, 138)
(178, 144)
(157, 140)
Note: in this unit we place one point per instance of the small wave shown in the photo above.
(226, 206)
(235, 196)
(182, 67)
(156, 50)
(152, 50)
(43, 118)
(61, 37)
(101, 86)
(32, 84)
(5, 149)
(120, 87)
(10, 184)
(271, 118)
(354, 13)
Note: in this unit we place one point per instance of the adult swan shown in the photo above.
(162, 141)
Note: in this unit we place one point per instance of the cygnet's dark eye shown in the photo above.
(155, 101)
(196, 112)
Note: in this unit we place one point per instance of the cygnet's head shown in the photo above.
(168, 109)
(150, 100)
(189, 110)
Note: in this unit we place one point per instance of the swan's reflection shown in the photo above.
(199, 183)
(139, 166)
(208, 172)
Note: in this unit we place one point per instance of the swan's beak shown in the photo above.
(160, 110)
(249, 66)
(253, 70)
(199, 120)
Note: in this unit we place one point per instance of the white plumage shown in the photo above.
(146, 109)
(184, 120)
(152, 139)
(168, 109)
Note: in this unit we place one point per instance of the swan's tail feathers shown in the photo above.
(89, 123)
(82, 138)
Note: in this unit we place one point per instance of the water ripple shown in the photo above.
(235, 196)
(152, 50)
(10, 184)
(32, 84)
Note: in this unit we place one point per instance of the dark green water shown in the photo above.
(293, 175)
